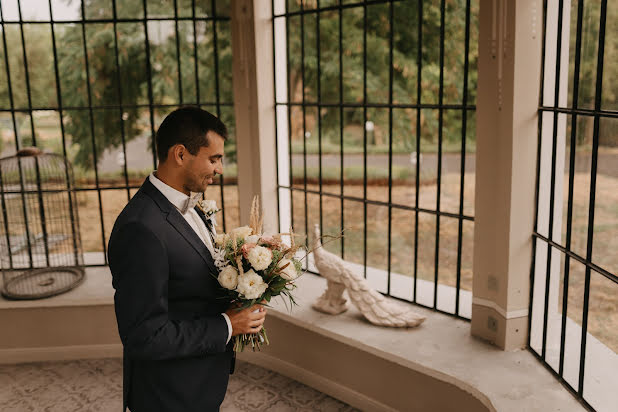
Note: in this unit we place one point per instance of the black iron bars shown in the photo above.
(83, 22)
(304, 104)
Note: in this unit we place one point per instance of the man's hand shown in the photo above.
(245, 321)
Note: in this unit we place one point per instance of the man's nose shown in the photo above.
(219, 168)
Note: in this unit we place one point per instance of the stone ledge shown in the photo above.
(442, 348)
(95, 290)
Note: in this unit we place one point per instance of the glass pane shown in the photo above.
(605, 241)
(329, 57)
(332, 218)
(10, 11)
(573, 321)
(310, 62)
(63, 10)
(426, 259)
(447, 260)
(429, 159)
(95, 10)
(589, 52)
(90, 221)
(378, 55)
(610, 64)
(601, 343)
(224, 56)
(450, 184)
(377, 131)
(467, 251)
(402, 242)
(163, 61)
(354, 233)
(352, 43)
(129, 9)
(405, 42)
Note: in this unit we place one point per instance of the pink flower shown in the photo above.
(246, 248)
(270, 241)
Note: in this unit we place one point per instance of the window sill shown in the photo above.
(441, 348)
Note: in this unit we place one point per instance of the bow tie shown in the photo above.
(191, 202)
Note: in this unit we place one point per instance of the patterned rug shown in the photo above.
(96, 385)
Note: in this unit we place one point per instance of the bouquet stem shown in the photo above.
(251, 340)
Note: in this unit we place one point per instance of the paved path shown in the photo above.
(139, 157)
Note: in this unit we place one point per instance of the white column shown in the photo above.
(252, 46)
(510, 38)
(281, 86)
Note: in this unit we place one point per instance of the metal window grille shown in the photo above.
(573, 271)
(327, 44)
(102, 74)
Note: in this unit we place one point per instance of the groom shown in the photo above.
(175, 331)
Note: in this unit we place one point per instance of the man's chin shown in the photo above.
(202, 187)
(198, 188)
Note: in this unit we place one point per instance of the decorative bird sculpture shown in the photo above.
(340, 276)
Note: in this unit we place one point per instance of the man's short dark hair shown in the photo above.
(187, 126)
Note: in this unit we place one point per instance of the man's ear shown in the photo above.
(178, 153)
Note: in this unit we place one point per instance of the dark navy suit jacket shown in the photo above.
(168, 312)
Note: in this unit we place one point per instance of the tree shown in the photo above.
(127, 80)
(40, 73)
(608, 136)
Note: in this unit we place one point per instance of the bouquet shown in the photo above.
(254, 268)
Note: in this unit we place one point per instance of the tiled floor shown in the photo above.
(96, 385)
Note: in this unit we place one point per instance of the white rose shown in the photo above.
(289, 272)
(209, 206)
(252, 239)
(251, 285)
(228, 278)
(241, 232)
(260, 257)
(220, 239)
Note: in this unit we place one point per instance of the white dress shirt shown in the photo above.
(194, 220)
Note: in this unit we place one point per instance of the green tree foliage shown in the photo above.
(40, 75)
(131, 70)
(40, 61)
(103, 85)
(405, 66)
(608, 135)
(125, 81)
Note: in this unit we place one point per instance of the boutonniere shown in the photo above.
(208, 207)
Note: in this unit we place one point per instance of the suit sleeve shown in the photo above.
(140, 270)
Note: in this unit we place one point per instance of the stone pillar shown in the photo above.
(510, 38)
(252, 45)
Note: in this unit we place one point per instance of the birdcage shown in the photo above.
(40, 244)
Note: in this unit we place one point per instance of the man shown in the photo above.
(175, 331)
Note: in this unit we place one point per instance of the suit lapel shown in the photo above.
(179, 223)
